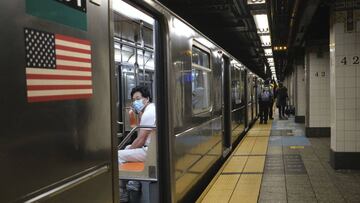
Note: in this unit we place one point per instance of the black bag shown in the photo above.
(289, 110)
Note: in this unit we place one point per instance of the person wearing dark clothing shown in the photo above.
(281, 98)
(273, 90)
(265, 98)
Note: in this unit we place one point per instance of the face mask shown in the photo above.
(138, 105)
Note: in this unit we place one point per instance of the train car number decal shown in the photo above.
(76, 4)
(67, 12)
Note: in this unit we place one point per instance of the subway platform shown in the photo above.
(276, 162)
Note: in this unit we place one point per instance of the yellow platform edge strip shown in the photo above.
(256, 127)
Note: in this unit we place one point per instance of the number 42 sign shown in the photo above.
(355, 60)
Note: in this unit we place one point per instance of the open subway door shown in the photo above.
(135, 67)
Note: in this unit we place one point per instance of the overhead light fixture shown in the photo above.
(268, 52)
(250, 2)
(265, 40)
(262, 24)
(270, 60)
(131, 12)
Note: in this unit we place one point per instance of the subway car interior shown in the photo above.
(179, 101)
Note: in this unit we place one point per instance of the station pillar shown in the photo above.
(345, 84)
(317, 80)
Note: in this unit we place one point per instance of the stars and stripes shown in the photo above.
(58, 67)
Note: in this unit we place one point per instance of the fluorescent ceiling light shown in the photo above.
(249, 2)
(265, 40)
(131, 12)
(268, 52)
(270, 60)
(262, 24)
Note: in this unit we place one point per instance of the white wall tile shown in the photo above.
(340, 146)
(350, 146)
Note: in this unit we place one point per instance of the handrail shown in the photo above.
(132, 131)
(69, 184)
(237, 109)
(198, 126)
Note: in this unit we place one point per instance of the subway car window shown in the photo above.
(235, 85)
(200, 86)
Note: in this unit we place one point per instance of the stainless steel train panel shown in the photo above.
(201, 135)
(46, 145)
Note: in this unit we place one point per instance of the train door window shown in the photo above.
(235, 85)
(200, 85)
(134, 49)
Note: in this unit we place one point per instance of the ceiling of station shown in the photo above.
(230, 24)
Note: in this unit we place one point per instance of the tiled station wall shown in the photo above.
(318, 86)
(345, 83)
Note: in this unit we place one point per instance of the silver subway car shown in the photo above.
(65, 120)
(208, 102)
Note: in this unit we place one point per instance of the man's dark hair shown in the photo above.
(143, 90)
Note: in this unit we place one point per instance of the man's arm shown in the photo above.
(141, 139)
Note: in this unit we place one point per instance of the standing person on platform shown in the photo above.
(265, 98)
(281, 98)
(272, 86)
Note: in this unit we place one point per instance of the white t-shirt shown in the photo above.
(148, 118)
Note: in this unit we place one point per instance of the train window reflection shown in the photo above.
(200, 85)
(235, 85)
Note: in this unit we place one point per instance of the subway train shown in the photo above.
(68, 68)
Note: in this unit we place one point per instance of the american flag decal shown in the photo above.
(58, 67)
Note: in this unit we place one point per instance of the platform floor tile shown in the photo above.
(222, 189)
(254, 164)
(236, 164)
(247, 189)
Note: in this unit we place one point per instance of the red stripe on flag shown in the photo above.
(58, 97)
(73, 68)
(60, 77)
(58, 87)
(72, 39)
(71, 58)
(65, 48)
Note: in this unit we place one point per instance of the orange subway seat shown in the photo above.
(132, 166)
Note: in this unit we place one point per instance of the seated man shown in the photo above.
(147, 115)
(137, 151)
